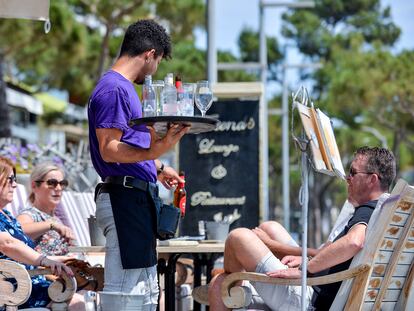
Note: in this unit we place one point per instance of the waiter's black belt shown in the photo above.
(132, 182)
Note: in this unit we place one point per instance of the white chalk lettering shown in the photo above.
(218, 172)
(206, 198)
(207, 146)
(235, 126)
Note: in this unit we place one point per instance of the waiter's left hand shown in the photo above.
(169, 177)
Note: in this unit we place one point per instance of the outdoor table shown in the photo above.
(203, 254)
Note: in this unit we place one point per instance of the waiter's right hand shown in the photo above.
(159, 146)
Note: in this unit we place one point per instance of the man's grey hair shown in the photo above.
(380, 161)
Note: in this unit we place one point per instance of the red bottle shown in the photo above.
(178, 83)
(180, 196)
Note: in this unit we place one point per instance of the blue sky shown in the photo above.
(233, 15)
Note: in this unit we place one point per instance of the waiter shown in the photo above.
(126, 160)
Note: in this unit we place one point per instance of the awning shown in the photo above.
(22, 100)
(29, 9)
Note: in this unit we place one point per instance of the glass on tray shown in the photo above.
(203, 96)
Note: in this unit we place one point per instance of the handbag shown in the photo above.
(87, 277)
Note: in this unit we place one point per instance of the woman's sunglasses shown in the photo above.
(12, 179)
(54, 183)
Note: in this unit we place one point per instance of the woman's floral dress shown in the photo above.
(50, 243)
(39, 296)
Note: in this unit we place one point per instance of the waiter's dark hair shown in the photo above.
(143, 36)
(380, 161)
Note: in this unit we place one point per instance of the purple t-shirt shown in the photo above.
(114, 102)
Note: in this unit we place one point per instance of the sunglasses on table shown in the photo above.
(53, 183)
(12, 179)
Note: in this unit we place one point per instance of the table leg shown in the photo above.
(197, 277)
(201, 260)
(169, 280)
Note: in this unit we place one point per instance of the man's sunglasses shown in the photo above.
(12, 179)
(353, 172)
(54, 183)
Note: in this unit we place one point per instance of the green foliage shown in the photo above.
(362, 85)
(187, 61)
(373, 88)
(249, 49)
(337, 21)
(40, 58)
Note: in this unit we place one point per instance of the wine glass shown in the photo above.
(203, 97)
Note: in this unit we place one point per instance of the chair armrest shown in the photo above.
(62, 289)
(234, 297)
(11, 295)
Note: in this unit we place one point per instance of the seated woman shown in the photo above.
(38, 220)
(16, 246)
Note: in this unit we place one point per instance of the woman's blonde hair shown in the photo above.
(5, 166)
(39, 172)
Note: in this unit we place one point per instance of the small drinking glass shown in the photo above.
(203, 97)
(158, 85)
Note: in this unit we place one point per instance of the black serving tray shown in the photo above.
(161, 124)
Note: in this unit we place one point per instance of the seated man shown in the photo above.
(271, 250)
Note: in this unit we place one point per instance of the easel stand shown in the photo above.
(318, 139)
(303, 144)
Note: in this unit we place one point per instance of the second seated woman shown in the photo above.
(17, 246)
(38, 219)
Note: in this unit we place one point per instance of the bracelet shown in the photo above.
(52, 226)
(161, 169)
(40, 259)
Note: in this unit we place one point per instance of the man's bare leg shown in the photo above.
(243, 251)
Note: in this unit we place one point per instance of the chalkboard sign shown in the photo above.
(222, 167)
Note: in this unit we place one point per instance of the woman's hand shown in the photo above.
(56, 266)
(64, 231)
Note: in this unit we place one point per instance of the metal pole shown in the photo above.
(264, 116)
(211, 42)
(285, 151)
(304, 202)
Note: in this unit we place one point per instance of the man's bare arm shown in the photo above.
(113, 150)
(281, 250)
(339, 251)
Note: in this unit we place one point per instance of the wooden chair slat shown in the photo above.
(384, 257)
(389, 295)
(395, 283)
(380, 269)
(392, 265)
(386, 306)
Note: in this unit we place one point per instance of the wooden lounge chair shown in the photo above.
(380, 277)
(60, 291)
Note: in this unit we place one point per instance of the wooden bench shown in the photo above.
(380, 277)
